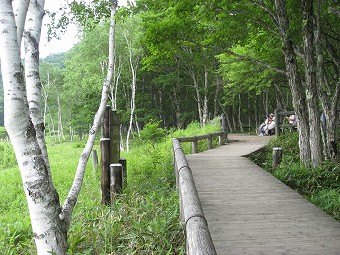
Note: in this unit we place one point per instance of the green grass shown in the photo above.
(320, 185)
(144, 220)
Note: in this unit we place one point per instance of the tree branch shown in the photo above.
(257, 62)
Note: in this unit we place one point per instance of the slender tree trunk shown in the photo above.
(329, 103)
(205, 100)
(249, 113)
(294, 81)
(60, 123)
(229, 124)
(239, 115)
(198, 97)
(219, 88)
(233, 113)
(133, 68)
(256, 113)
(311, 90)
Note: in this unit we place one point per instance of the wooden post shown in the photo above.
(94, 160)
(122, 161)
(210, 142)
(106, 123)
(277, 122)
(114, 137)
(194, 146)
(115, 180)
(277, 157)
(224, 128)
(104, 167)
(105, 158)
(220, 140)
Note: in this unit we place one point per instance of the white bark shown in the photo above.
(205, 100)
(49, 220)
(42, 198)
(33, 85)
(20, 8)
(60, 122)
(133, 67)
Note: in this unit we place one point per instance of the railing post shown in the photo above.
(224, 128)
(122, 161)
(114, 137)
(105, 158)
(115, 180)
(277, 157)
(104, 170)
(194, 146)
(210, 142)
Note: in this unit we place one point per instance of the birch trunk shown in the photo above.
(60, 122)
(205, 100)
(50, 221)
(198, 97)
(43, 200)
(133, 68)
(33, 84)
(72, 196)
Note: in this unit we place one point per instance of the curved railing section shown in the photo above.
(198, 238)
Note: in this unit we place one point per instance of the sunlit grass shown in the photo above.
(144, 220)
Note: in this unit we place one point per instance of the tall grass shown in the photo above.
(320, 185)
(143, 220)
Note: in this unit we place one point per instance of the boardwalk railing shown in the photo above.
(222, 136)
(198, 238)
(279, 116)
(209, 137)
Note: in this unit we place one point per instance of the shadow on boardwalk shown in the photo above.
(250, 212)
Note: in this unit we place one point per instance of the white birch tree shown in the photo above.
(22, 92)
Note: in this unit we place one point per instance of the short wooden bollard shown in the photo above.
(116, 180)
(277, 157)
(194, 146)
(124, 165)
(95, 160)
(210, 140)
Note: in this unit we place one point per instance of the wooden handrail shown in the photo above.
(209, 137)
(198, 238)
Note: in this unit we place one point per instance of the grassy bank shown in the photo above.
(319, 185)
(144, 220)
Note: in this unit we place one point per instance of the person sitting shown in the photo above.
(292, 120)
(268, 126)
(271, 124)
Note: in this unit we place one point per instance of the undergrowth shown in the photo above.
(320, 185)
(143, 220)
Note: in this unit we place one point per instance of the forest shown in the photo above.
(174, 63)
(181, 61)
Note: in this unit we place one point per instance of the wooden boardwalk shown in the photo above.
(250, 212)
